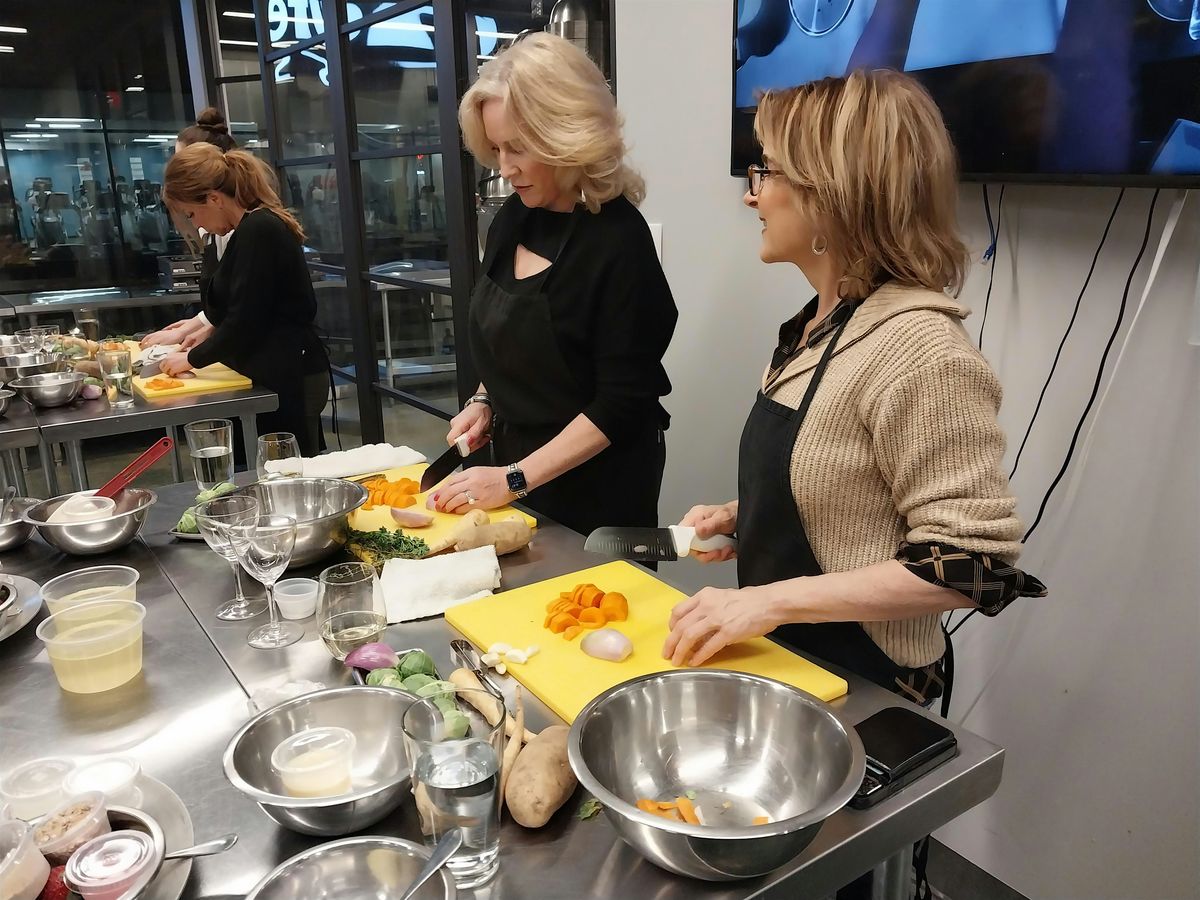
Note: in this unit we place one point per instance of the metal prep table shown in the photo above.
(567, 858)
(71, 424)
(18, 431)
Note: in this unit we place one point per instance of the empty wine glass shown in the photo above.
(49, 337)
(277, 448)
(30, 340)
(211, 444)
(264, 548)
(214, 520)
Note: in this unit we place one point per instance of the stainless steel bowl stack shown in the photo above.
(14, 530)
(761, 746)
(354, 869)
(321, 508)
(380, 767)
(5, 399)
(49, 389)
(19, 365)
(93, 538)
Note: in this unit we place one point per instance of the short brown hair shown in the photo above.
(870, 156)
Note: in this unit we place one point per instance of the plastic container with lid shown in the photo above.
(71, 826)
(36, 787)
(23, 871)
(95, 647)
(315, 762)
(296, 597)
(114, 776)
(106, 867)
(87, 585)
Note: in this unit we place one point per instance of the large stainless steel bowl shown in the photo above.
(321, 508)
(19, 365)
(380, 767)
(50, 389)
(764, 747)
(93, 538)
(354, 869)
(14, 530)
(5, 399)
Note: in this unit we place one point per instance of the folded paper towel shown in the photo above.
(348, 463)
(418, 588)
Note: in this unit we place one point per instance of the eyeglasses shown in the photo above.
(755, 176)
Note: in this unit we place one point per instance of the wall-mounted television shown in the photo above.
(1099, 91)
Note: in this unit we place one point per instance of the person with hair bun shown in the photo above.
(572, 313)
(261, 300)
(210, 128)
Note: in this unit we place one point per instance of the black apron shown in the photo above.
(535, 396)
(773, 545)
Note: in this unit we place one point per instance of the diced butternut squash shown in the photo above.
(572, 632)
(615, 607)
(561, 622)
(592, 618)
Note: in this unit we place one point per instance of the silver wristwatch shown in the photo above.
(479, 398)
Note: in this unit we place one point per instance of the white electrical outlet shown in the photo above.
(656, 233)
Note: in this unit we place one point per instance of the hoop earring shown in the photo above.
(819, 245)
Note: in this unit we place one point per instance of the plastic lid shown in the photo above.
(110, 776)
(110, 859)
(332, 740)
(36, 778)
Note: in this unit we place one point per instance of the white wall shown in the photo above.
(1093, 690)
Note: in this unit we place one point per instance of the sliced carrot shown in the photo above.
(687, 810)
(667, 804)
(562, 622)
(615, 607)
(591, 618)
(557, 605)
(572, 632)
(577, 593)
(573, 611)
(761, 820)
(592, 596)
(648, 806)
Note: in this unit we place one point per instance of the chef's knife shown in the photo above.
(446, 463)
(653, 544)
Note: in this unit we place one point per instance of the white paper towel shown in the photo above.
(348, 463)
(418, 588)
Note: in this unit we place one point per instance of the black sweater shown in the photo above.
(262, 306)
(611, 308)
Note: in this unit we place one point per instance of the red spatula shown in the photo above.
(125, 477)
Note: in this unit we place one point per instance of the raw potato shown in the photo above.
(507, 536)
(541, 779)
(470, 521)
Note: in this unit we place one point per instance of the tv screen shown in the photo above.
(1101, 91)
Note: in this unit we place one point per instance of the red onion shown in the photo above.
(373, 656)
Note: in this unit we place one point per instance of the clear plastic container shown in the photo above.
(296, 597)
(36, 787)
(88, 585)
(95, 647)
(316, 762)
(23, 871)
(71, 826)
(114, 776)
(109, 865)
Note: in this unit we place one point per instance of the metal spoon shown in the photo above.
(208, 848)
(445, 849)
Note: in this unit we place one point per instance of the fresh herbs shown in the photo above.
(588, 809)
(377, 547)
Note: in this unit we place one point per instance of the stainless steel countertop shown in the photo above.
(96, 418)
(567, 858)
(18, 427)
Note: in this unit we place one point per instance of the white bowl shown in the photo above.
(297, 597)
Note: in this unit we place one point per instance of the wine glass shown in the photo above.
(211, 444)
(350, 607)
(277, 447)
(49, 337)
(264, 548)
(214, 520)
(30, 340)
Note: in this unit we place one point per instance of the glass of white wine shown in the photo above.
(210, 443)
(264, 547)
(350, 607)
(281, 448)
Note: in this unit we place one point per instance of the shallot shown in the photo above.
(372, 656)
(607, 643)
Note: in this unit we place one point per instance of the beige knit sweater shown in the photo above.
(900, 444)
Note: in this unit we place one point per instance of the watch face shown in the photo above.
(516, 481)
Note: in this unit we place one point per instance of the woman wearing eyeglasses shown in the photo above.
(870, 494)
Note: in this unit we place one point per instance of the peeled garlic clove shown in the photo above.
(499, 648)
(516, 656)
(491, 660)
(530, 651)
(502, 668)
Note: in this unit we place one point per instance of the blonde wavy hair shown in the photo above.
(564, 113)
(199, 169)
(871, 160)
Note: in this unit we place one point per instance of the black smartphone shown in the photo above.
(901, 746)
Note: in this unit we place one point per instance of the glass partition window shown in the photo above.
(395, 83)
(415, 342)
(404, 217)
(302, 102)
(311, 192)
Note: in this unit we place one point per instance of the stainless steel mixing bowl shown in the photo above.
(14, 530)
(50, 389)
(5, 399)
(761, 746)
(18, 365)
(93, 538)
(354, 869)
(321, 508)
(380, 766)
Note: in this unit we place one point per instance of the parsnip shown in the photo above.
(466, 679)
(470, 522)
(513, 747)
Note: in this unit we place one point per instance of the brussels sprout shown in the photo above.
(385, 678)
(417, 663)
(414, 683)
(456, 724)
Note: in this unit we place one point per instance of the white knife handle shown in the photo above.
(716, 542)
(463, 445)
(686, 541)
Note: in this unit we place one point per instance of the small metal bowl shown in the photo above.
(758, 745)
(321, 508)
(49, 389)
(380, 766)
(93, 538)
(353, 869)
(5, 399)
(14, 530)
(19, 365)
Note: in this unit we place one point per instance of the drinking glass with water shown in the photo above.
(210, 443)
(455, 757)
(116, 366)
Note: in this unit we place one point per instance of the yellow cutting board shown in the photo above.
(443, 523)
(566, 679)
(208, 380)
